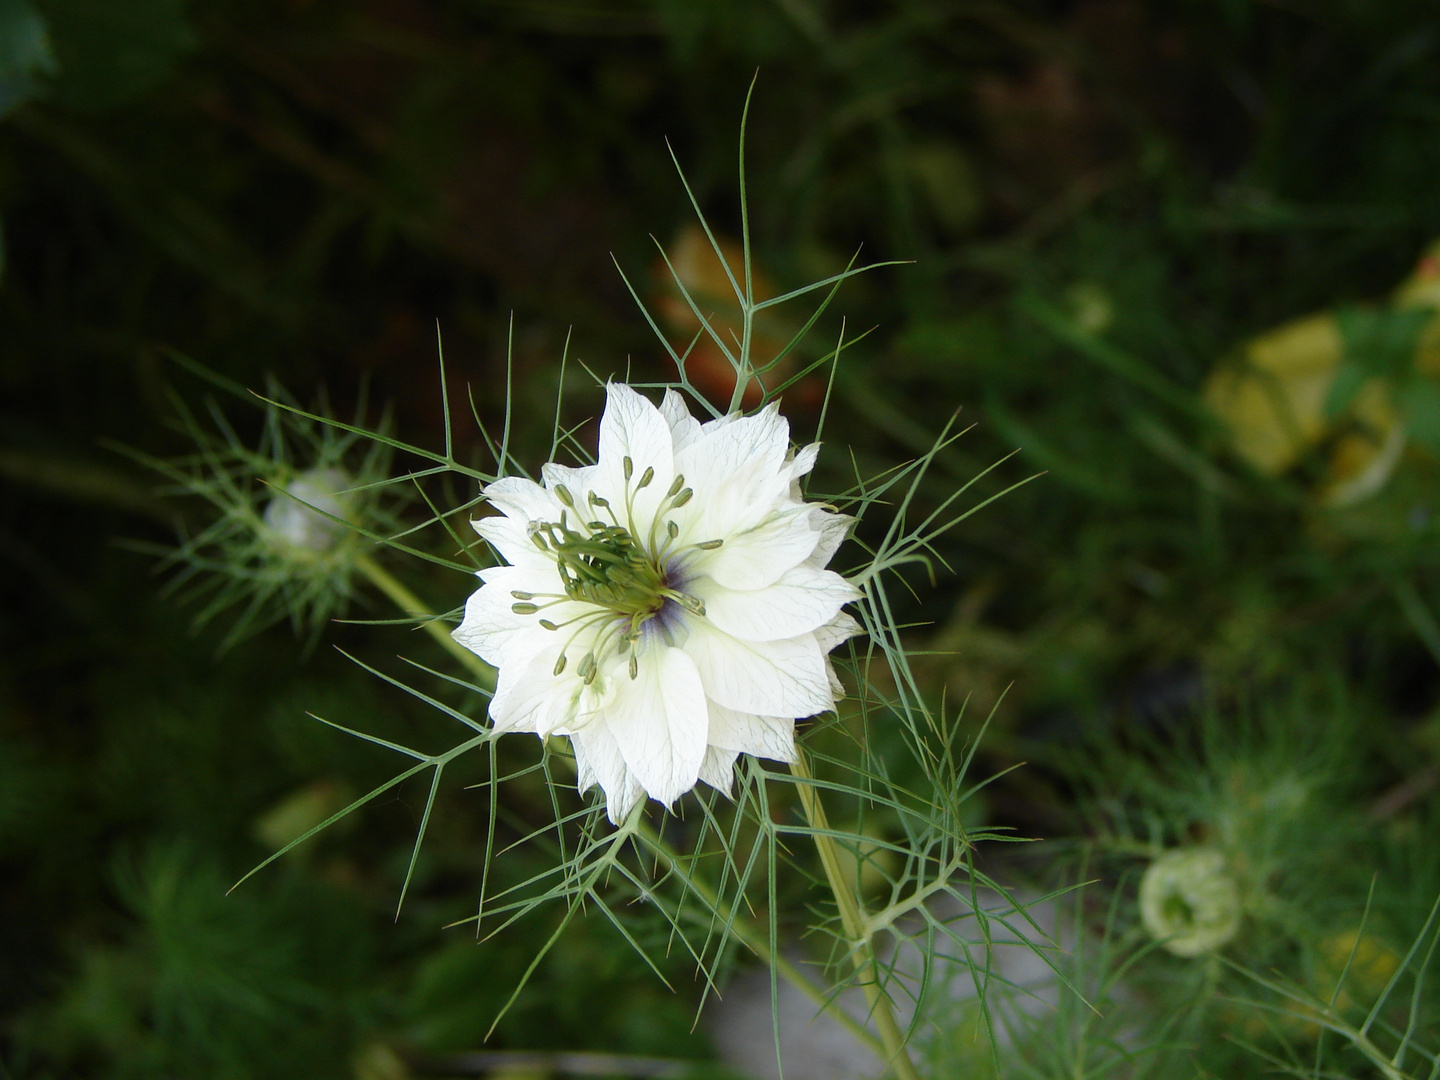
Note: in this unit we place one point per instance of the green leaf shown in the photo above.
(1349, 377)
(25, 56)
(1419, 401)
(1381, 341)
(112, 53)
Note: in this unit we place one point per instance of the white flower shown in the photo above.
(667, 608)
(296, 515)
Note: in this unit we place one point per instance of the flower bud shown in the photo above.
(1189, 901)
(296, 514)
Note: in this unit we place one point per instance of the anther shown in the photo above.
(645, 478)
(629, 467)
(586, 670)
(672, 529)
(548, 625)
(634, 667)
(709, 545)
(563, 494)
(676, 485)
(518, 595)
(683, 498)
(559, 665)
(524, 609)
(598, 500)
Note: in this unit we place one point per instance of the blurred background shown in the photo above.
(1174, 252)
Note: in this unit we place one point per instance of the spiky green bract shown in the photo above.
(288, 517)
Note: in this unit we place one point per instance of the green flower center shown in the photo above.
(604, 565)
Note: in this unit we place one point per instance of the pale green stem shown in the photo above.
(853, 921)
(412, 605)
(756, 943)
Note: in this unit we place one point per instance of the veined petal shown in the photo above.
(748, 733)
(798, 602)
(833, 528)
(736, 471)
(633, 428)
(510, 536)
(718, 769)
(660, 721)
(577, 480)
(521, 498)
(838, 630)
(684, 428)
(599, 761)
(755, 557)
(527, 695)
(784, 677)
(802, 462)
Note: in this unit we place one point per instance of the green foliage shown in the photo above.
(1101, 200)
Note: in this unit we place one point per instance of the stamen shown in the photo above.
(645, 478)
(634, 666)
(563, 494)
(675, 486)
(548, 625)
(672, 529)
(559, 665)
(586, 670)
(629, 468)
(518, 595)
(683, 498)
(709, 545)
(524, 609)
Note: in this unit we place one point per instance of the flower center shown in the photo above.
(606, 566)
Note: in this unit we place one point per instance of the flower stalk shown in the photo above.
(853, 922)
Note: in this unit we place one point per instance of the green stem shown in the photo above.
(757, 944)
(412, 605)
(852, 919)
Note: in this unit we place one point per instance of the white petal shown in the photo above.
(718, 769)
(758, 556)
(521, 498)
(578, 481)
(833, 528)
(510, 536)
(839, 629)
(633, 428)
(737, 472)
(489, 624)
(527, 695)
(802, 462)
(801, 600)
(684, 428)
(747, 733)
(660, 721)
(595, 745)
(773, 678)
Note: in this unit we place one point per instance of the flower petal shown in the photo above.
(718, 769)
(633, 428)
(510, 536)
(833, 528)
(684, 428)
(660, 721)
(518, 497)
(737, 472)
(758, 556)
(801, 600)
(747, 733)
(772, 678)
(599, 761)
